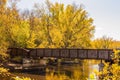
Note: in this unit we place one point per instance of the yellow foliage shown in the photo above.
(17, 78)
(66, 27)
(3, 70)
(102, 43)
(51, 76)
(111, 71)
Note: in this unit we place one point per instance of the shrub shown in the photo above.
(111, 72)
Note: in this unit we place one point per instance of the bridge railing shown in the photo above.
(105, 54)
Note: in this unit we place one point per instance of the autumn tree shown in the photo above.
(55, 25)
(110, 71)
(3, 43)
(64, 27)
(102, 43)
(115, 44)
(15, 30)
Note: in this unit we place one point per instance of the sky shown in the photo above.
(106, 14)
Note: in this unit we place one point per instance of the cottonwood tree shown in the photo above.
(65, 27)
(102, 43)
(55, 25)
(3, 43)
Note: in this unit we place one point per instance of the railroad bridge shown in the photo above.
(100, 54)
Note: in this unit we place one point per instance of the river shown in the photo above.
(85, 70)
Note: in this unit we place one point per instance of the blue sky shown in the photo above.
(106, 14)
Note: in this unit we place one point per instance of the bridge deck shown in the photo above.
(64, 53)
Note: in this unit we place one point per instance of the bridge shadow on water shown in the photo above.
(34, 74)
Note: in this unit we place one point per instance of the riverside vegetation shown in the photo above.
(51, 26)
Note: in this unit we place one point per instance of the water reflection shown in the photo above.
(82, 71)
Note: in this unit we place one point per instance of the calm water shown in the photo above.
(82, 71)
